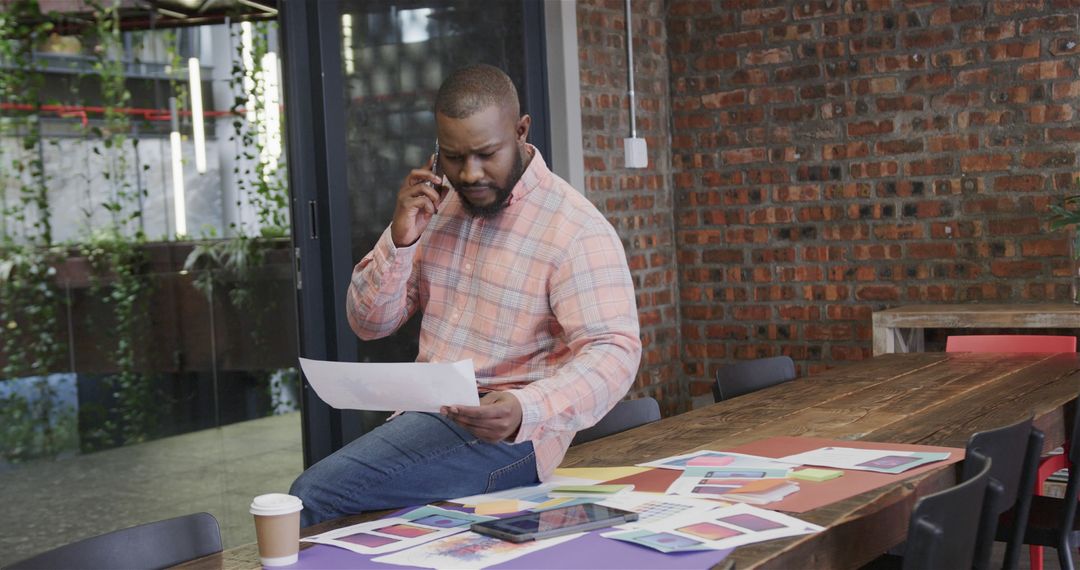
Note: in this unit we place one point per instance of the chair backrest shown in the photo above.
(1014, 451)
(1072, 486)
(1010, 343)
(625, 415)
(152, 545)
(944, 526)
(752, 375)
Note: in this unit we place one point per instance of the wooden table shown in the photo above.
(925, 398)
(901, 329)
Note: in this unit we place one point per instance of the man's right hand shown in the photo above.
(418, 200)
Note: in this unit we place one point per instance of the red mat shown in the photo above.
(811, 494)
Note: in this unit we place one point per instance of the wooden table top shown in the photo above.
(972, 315)
(923, 398)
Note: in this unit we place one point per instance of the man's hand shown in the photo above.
(496, 419)
(418, 200)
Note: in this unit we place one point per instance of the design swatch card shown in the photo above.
(878, 460)
(720, 529)
(424, 524)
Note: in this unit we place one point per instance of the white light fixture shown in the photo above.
(179, 207)
(195, 80)
(179, 202)
(347, 45)
(271, 105)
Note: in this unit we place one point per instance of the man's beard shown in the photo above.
(502, 194)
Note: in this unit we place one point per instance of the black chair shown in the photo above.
(625, 415)
(152, 545)
(1015, 451)
(945, 525)
(1053, 521)
(751, 375)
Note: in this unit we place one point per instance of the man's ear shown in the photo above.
(522, 130)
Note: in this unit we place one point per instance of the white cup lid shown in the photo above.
(275, 504)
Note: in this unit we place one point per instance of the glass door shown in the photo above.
(382, 63)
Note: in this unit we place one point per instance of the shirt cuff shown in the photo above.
(389, 256)
(531, 402)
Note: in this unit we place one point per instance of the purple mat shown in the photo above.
(589, 551)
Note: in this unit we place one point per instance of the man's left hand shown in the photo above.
(496, 419)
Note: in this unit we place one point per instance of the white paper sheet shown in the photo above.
(718, 529)
(878, 460)
(392, 387)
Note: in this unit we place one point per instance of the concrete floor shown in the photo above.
(49, 503)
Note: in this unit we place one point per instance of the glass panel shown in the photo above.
(395, 56)
(148, 334)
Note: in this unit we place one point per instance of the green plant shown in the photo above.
(1067, 216)
(263, 184)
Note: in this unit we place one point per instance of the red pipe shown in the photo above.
(83, 110)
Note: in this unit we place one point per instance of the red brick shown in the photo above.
(928, 39)
(1048, 159)
(932, 250)
(768, 56)
(738, 39)
(953, 15)
(1011, 7)
(1015, 227)
(1045, 70)
(1014, 50)
(1015, 269)
(870, 128)
(1024, 183)
(985, 162)
(1054, 23)
(744, 156)
(877, 293)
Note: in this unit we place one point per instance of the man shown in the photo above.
(510, 267)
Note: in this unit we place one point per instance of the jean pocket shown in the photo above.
(518, 473)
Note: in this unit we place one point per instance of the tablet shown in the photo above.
(554, 522)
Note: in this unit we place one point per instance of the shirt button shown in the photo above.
(468, 267)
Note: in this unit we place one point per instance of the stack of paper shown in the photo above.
(881, 461)
(762, 491)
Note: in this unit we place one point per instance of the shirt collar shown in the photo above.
(535, 175)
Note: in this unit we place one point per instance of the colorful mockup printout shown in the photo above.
(392, 387)
(469, 551)
(877, 460)
(719, 459)
(722, 528)
(715, 482)
(652, 508)
(594, 491)
(388, 535)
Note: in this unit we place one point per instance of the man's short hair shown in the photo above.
(474, 88)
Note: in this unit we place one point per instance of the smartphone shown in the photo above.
(435, 165)
(554, 522)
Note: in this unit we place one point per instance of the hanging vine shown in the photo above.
(257, 127)
(29, 304)
(116, 253)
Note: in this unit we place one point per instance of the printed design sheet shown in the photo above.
(719, 459)
(878, 460)
(654, 508)
(469, 551)
(721, 529)
(422, 525)
(757, 485)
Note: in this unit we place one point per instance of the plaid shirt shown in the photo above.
(539, 297)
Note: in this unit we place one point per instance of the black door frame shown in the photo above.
(316, 146)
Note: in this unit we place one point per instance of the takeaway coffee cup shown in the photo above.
(277, 527)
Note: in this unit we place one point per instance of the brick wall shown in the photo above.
(834, 157)
(638, 202)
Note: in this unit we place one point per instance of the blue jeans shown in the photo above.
(413, 459)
